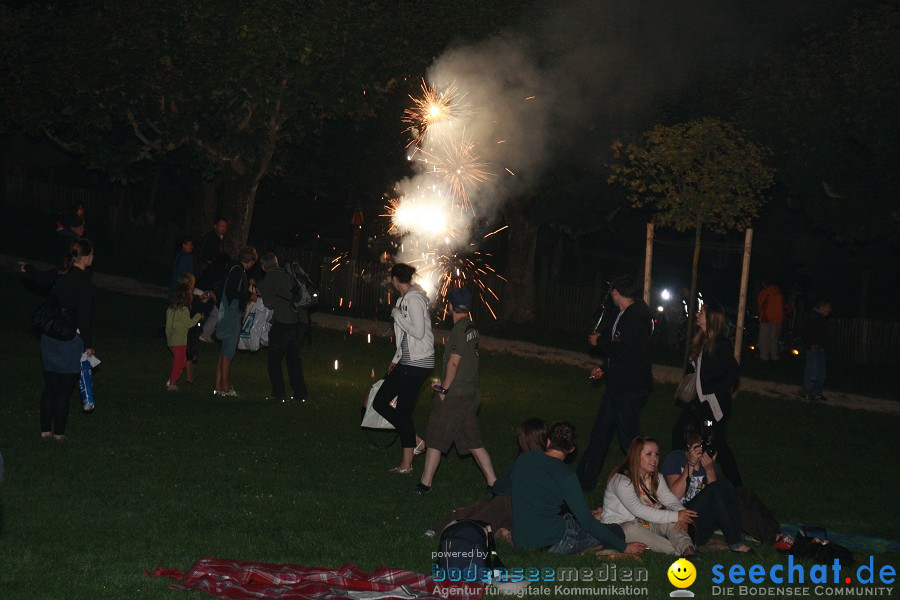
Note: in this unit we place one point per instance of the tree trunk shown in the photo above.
(237, 207)
(205, 209)
(692, 302)
(518, 296)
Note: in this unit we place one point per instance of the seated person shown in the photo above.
(541, 484)
(692, 475)
(638, 500)
(497, 511)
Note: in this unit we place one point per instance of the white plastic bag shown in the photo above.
(256, 321)
(371, 418)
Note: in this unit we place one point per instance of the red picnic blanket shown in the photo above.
(235, 579)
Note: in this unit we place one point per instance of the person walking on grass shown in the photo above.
(454, 417)
(288, 330)
(178, 322)
(412, 364)
(628, 378)
(235, 296)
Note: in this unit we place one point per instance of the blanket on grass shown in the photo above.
(855, 543)
(236, 579)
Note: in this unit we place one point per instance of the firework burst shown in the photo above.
(442, 270)
(455, 162)
(431, 108)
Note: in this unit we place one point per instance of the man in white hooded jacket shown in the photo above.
(412, 363)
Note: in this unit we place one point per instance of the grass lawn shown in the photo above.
(161, 479)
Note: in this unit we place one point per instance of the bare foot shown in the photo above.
(59, 438)
(504, 534)
(742, 548)
(46, 434)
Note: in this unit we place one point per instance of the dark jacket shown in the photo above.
(720, 374)
(235, 286)
(276, 289)
(628, 365)
(211, 246)
(815, 330)
(75, 292)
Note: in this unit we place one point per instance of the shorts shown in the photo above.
(454, 420)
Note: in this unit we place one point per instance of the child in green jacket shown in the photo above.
(178, 323)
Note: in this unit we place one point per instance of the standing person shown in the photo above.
(212, 244)
(770, 303)
(815, 336)
(541, 485)
(638, 500)
(454, 417)
(235, 295)
(211, 279)
(288, 330)
(61, 360)
(628, 379)
(412, 363)
(718, 374)
(184, 263)
(178, 322)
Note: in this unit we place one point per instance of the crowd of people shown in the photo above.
(671, 506)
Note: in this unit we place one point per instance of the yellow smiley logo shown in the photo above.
(682, 573)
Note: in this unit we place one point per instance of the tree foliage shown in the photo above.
(698, 174)
(233, 81)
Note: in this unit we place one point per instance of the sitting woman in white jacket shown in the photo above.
(639, 501)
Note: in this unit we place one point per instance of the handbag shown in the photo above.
(52, 320)
(687, 389)
(372, 418)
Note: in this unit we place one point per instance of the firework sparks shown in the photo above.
(456, 163)
(433, 107)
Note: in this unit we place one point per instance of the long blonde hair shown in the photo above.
(705, 341)
(630, 466)
(182, 297)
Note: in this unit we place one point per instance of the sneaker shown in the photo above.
(88, 407)
(276, 399)
(230, 393)
(805, 397)
(205, 339)
(820, 398)
(421, 489)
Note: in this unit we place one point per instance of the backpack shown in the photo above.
(756, 519)
(304, 294)
(468, 546)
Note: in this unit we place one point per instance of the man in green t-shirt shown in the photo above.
(454, 417)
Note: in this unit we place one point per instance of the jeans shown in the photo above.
(620, 411)
(717, 508)
(815, 373)
(284, 344)
(576, 538)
